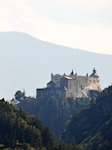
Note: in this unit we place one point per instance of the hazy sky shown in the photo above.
(82, 24)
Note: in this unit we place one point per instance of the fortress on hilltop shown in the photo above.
(72, 85)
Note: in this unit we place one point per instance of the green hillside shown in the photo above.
(92, 128)
(54, 111)
(20, 131)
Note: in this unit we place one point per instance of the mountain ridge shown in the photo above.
(82, 50)
(26, 63)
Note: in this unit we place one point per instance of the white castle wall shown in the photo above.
(75, 84)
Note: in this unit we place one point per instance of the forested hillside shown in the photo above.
(87, 124)
(55, 111)
(92, 128)
(19, 131)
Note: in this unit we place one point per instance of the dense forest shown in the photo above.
(20, 131)
(92, 128)
(54, 111)
(84, 124)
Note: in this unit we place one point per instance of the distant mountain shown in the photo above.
(92, 128)
(26, 63)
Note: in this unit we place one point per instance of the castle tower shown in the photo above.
(94, 73)
(72, 73)
(93, 81)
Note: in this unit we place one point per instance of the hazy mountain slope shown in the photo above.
(26, 62)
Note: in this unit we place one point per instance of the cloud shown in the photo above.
(99, 4)
(74, 11)
(91, 30)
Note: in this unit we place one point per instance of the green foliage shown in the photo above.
(92, 128)
(48, 139)
(20, 131)
(18, 95)
(89, 122)
(107, 91)
(55, 111)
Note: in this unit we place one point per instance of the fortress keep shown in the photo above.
(72, 85)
